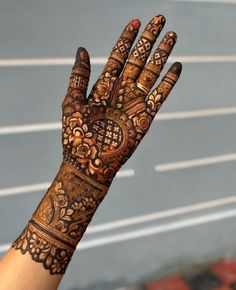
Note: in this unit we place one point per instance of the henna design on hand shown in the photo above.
(99, 134)
(103, 88)
(61, 219)
(142, 49)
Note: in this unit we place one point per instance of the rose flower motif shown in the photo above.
(69, 123)
(104, 88)
(142, 122)
(84, 148)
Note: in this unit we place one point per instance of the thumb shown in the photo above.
(79, 76)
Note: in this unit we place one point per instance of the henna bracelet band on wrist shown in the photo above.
(61, 219)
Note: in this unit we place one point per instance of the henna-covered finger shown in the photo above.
(102, 89)
(159, 95)
(79, 79)
(142, 49)
(153, 68)
(139, 90)
(122, 48)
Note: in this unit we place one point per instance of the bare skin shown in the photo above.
(100, 133)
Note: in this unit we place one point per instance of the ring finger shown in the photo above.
(142, 49)
(153, 68)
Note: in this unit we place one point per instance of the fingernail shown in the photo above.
(176, 68)
(77, 58)
(135, 23)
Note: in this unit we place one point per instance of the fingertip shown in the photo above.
(170, 38)
(133, 26)
(135, 23)
(82, 57)
(80, 50)
(176, 68)
(159, 18)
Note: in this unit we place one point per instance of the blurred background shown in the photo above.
(173, 205)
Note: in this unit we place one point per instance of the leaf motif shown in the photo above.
(70, 211)
(85, 127)
(53, 251)
(42, 256)
(89, 134)
(49, 261)
(62, 212)
(24, 245)
(66, 218)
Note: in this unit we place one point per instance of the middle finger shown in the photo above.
(142, 49)
(153, 68)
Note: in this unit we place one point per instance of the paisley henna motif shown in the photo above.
(99, 134)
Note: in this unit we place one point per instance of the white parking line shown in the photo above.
(125, 173)
(62, 61)
(195, 114)
(24, 189)
(131, 235)
(207, 1)
(19, 129)
(44, 186)
(151, 230)
(161, 215)
(195, 162)
(130, 172)
(4, 247)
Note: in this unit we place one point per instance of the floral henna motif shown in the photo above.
(103, 88)
(61, 219)
(54, 256)
(99, 134)
(100, 143)
(98, 140)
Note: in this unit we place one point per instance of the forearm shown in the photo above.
(53, 232)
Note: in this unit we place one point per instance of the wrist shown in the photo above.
(61, 218)
(69, 204)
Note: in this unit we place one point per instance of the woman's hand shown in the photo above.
(99, 134)
(102, 131)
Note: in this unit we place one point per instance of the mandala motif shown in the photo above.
(99, 146)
